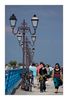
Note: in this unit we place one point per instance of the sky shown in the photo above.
(49, 35)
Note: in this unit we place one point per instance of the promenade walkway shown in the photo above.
(36, 91)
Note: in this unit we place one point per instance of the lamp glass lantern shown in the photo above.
(35, 21)
(33, 38)
(19, 36)
(22, 45)
(33, 50)
(13, 20)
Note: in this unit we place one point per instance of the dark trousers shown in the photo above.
(42, 85)
(56, 87)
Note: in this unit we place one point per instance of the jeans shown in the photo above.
(42, 86)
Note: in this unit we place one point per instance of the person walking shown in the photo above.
(57, 77)
(48, 70)
(39, 67)
(42, 78)
(34, 70)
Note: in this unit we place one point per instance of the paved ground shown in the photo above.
(36, 91)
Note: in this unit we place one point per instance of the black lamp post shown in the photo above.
(22, 30)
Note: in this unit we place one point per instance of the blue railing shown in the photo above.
(12, 78)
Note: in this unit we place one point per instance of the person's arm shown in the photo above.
(52, 74)
(61, 76)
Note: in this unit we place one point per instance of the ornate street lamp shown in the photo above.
(34, 22)
(33, 50)
(19, 36)
(22, 29)
(13, 21)
(33, 38)
(21, 45)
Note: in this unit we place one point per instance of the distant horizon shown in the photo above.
(35, 63)
(49, 40)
